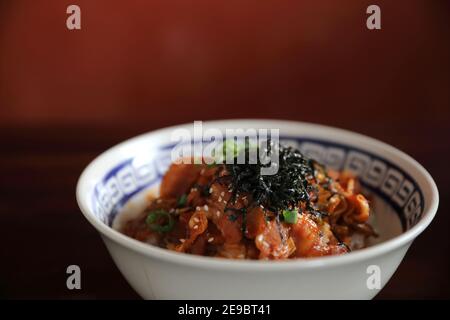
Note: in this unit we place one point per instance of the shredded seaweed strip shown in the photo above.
(277, 192)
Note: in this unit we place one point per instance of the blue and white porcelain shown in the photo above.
(403, 195)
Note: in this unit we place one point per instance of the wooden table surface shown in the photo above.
(44, 231)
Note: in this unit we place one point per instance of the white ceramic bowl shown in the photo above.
(406, 199)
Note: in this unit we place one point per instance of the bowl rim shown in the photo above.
(405, 238)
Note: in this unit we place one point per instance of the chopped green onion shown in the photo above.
(290, 216)
(155, 218)
(231, 148)
(211, 165)
(182, 200)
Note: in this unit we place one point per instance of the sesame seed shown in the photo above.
(196, 226)
(182, 240)
(222, 193)
(197, 208)
(211, 239)
(220, 199)
(206, 207)
(196, 220)
(218, 213)
(210, 190)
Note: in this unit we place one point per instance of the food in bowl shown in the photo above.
(403, 201)
(233, 211)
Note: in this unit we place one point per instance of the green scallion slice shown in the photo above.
(290, 216)
(160, 221)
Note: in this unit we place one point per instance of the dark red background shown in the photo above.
(135, 66)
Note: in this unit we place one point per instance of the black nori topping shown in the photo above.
(285, 189)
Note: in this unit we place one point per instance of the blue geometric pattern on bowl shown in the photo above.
(378, 175)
